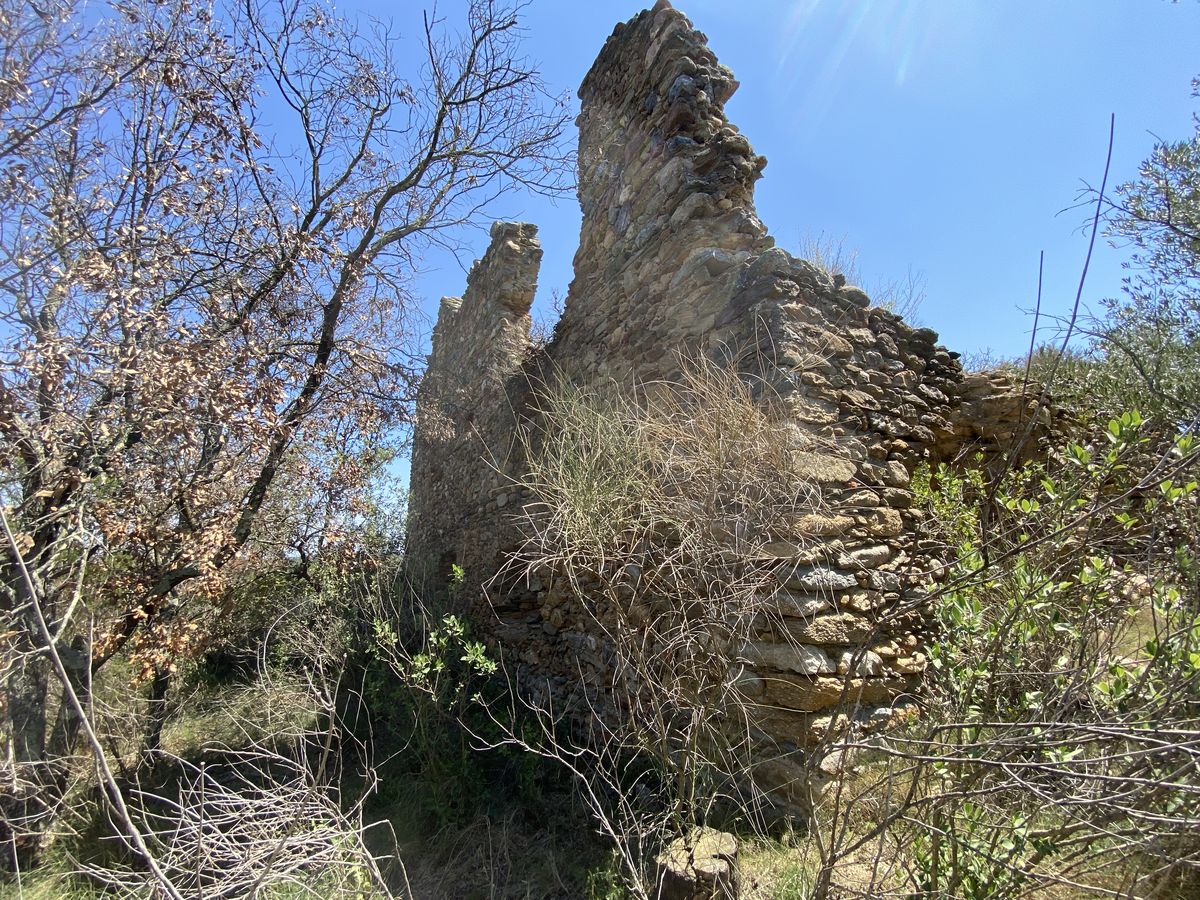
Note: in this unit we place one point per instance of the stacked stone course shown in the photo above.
(673, 258)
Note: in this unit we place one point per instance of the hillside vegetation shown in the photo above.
(219, 680)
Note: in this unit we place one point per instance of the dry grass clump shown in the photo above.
(654, 511)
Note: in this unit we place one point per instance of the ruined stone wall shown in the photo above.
(467, 412)
(672, 257)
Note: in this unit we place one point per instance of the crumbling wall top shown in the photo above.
(464, 410)
(486, 331)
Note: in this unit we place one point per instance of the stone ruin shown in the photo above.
(672, 257)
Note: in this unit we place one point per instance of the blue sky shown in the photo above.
(945, 136)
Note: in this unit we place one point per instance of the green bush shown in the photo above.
(1065, 679)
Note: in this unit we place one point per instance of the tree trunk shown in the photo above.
(30, 800)
(64, 739)
(27, 799)
(27, 686)
(157, 714)
(29, 674)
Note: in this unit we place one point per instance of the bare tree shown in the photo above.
(207, 215)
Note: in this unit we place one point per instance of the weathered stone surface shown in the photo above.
(910, 665)
(802, 605)
(817, 579)
(866, 557)
(997, 416)
(823, 468)
(784, 777)
(883, 523)
(834, 630)
(820, 525)
(747, 682)
(479, 344)
(816, 694)
(800, 658)
(859, 662)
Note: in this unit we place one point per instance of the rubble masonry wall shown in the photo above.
(673, 258)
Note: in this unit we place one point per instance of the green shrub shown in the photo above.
(1065, 678)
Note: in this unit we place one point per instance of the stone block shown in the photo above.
(787, 657)
(817, 579)
(816, 694)
(833, 630)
